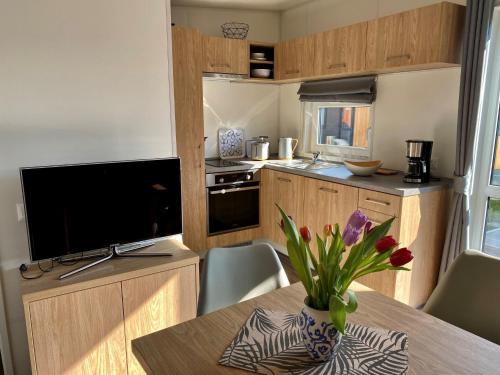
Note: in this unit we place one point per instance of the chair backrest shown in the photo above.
(468, 296)
(235, 274)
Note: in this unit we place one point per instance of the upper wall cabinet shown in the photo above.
(341, 50)
(295, 58)
(223, 55)
(431, 34)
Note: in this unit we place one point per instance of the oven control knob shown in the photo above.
(249, 176)
(221, 180)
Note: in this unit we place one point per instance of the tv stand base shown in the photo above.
(114, 251)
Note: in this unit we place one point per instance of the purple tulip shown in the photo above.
(357, 220)
(350, 235)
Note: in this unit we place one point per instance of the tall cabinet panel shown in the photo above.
(155, 302)
(188, 91)
(80, 332)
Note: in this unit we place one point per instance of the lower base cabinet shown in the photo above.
(419, 224)
(80, 332)
(87, 327)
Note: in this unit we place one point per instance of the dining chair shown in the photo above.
(468, 296)
(234, 274)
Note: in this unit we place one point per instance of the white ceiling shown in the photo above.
(241, 4)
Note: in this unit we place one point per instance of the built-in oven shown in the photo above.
(232, 201)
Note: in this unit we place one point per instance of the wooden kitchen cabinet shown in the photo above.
(419, 224)
(188, 88)
(327, 203)
(295, 58)
(341, 50)
(156, 302)
(223, 55)
(85, 324)
(430, 34)
(74, 334)
(286, 190)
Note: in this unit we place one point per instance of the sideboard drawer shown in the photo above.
(380, 202)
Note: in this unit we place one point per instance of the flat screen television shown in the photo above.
(72, 209)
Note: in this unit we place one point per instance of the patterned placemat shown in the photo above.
(270, 342)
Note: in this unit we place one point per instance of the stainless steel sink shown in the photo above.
(303, 164)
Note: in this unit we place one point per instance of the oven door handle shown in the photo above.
(232, 190)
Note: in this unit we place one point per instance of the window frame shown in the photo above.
(334, 152)
(482, 189)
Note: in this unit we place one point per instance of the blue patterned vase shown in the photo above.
(321, 338)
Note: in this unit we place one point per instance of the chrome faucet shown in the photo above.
(315, 156)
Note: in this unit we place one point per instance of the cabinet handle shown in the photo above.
(382, 203)
(337, 66)
(292, 71)
(393, 57)
(284, 179)
(223, 65)
(333, 191)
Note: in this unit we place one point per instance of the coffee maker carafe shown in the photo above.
(418, 153)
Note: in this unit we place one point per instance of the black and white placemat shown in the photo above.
(270, 342)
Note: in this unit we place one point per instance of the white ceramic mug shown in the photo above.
(286, 147)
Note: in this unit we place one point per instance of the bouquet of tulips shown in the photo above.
(371, 250)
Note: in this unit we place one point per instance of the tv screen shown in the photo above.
(75, 208)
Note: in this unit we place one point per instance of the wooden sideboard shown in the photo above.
(85, 324)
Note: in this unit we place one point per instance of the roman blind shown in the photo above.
(352, 90)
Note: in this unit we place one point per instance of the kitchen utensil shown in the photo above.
(257, 55)
(418, 153)
(286, 147)
(231, 143)
(261, 73)
(260, 149)
(362, 168)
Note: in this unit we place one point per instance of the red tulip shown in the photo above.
(282, 223)
(385, 243)
(368, 227)
(401, 257)
(305, 234)
(328, 230)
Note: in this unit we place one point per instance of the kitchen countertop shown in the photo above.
(340, 174)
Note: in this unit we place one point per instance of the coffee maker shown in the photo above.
(418, 153)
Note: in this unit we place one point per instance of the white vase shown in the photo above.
(321, 339)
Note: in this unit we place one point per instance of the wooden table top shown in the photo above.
(434, 346)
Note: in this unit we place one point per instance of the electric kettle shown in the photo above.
(287, 147)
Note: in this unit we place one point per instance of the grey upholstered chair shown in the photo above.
(235, 274)
(468, 296)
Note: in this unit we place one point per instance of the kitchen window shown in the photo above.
(339, 130)
(485, 199)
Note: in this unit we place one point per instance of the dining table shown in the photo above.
(434, 346)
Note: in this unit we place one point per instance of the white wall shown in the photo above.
(422, 104)
(264, 25)
(253, 107)
(321, 15)
(81, 81)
